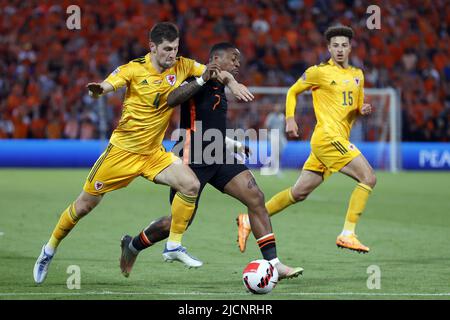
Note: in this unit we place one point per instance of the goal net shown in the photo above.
(378, 135)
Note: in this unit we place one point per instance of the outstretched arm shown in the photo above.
(98, 89)
(240, 91)
(118, 78)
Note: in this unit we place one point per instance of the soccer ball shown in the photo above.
(260, 277)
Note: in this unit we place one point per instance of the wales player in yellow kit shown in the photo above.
(338, 98)
(135, 147)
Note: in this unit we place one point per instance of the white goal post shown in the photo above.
(382, 128)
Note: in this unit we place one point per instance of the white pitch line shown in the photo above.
(195, 293)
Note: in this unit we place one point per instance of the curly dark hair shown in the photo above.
(339, 31)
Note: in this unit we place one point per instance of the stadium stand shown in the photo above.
(45, 67)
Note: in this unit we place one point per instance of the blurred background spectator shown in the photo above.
(44, 66)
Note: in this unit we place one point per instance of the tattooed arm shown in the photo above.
(182, 93)
(185, 92)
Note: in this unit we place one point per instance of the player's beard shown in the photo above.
(165, 64)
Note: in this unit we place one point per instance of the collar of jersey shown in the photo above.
(331, 62)
(151, 68)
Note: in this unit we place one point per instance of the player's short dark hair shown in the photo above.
(221, 47)
(164, 31)
(337, 31)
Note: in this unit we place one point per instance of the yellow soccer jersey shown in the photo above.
(145, 114)
(338, 95)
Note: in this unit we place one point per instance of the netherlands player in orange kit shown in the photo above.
(338, 98)
(135, 147)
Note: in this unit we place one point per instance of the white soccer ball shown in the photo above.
(260, 277)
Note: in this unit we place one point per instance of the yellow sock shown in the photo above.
(280, 201)
(356, 206)
(66, 222)
(183, 207)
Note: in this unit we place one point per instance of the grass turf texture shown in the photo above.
(406, 225)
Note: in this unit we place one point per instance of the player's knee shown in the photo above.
(83, 207)
(85, 203)
(299, 195)
(190, 187)
(259, 197)
(255, 199)
(370, 180)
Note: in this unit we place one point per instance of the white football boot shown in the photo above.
(41, 266)
(180, 254)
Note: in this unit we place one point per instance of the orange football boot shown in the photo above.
(244, 230)
(351, 242)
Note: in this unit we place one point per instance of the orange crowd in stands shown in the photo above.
(45, 66)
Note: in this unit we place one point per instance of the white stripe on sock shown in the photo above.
(266, 236)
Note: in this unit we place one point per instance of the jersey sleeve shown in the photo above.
(193, 68)
(121, 76)
(309, 80)
(188, 80)
(361, 92)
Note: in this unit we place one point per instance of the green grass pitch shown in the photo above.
(406, 224)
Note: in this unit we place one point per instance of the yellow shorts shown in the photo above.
(330, 155)
(116, 168)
